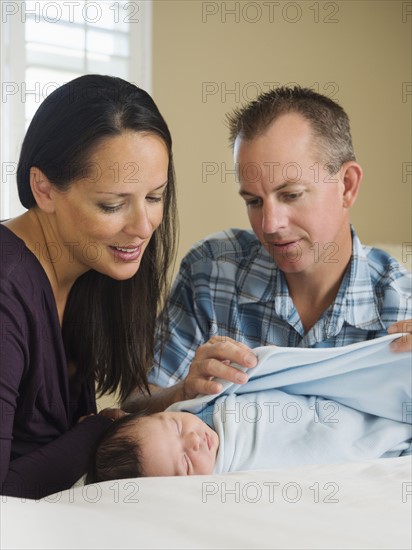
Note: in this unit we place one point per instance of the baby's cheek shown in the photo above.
(211, 467)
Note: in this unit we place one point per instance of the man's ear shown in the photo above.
(352, 177)
(41, 189)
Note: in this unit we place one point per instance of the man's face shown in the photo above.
(296, 208)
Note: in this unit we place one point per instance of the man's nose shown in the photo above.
(274, 217)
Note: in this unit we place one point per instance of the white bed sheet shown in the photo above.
(342, 506)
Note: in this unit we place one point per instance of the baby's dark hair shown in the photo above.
(117, 455)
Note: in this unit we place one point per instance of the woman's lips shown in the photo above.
(126, 253)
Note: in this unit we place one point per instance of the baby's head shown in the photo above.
(161, 444)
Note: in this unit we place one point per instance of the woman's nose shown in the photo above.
(139, 224)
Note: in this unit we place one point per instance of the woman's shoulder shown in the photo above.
(19, 266)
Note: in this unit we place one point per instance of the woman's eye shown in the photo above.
(110, 209)
(156, 198)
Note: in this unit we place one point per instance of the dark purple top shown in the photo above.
(42, 448)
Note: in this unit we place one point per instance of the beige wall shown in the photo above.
(358, 52)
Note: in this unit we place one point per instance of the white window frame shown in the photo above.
(13, 66)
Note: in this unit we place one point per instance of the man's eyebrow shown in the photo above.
(244, 192)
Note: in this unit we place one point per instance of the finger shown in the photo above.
(112, 413)
(402, 344)
(229, 350)
(227, 339)
(401, 326)
(218, 339)
(194, 387)
(120, 414)
(212, 368)
(223, 339)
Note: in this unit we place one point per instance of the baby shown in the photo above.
(161, 444)
(298, 407)
(284, 431)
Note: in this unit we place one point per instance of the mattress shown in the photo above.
(337, 506)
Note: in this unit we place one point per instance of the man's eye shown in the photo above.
(293, 196)
(253, 202)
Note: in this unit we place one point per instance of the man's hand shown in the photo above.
(404, 343)
(213, 360)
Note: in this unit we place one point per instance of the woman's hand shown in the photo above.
(81, 418)
(112, 413)
(404, 343)
(213, 360)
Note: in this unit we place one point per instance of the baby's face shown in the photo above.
(176, 444)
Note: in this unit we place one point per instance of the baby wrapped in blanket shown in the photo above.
(299, 406)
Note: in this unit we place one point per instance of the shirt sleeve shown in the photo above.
(56, 466)
(53, 466)
(14, 357)
(189, 324)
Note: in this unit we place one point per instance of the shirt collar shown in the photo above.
(356, 296)
(355, 303)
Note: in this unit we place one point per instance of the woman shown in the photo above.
(83, 273)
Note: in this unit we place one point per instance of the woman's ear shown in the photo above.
(41, 189)
(352, 177)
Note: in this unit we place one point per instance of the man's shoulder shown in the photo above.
(380, 264)
(383, 265)
(231, 244)
(388, 276)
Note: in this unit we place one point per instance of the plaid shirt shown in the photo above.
(228, 285)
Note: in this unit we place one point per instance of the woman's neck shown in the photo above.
(39, 234)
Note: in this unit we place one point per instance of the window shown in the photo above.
(45, 44)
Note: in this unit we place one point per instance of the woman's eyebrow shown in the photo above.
(113, 193)
(162, 185)
(128, 194)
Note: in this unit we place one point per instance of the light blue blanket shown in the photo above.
(320, 405)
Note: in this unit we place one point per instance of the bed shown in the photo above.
(356, 505)
(343, 506)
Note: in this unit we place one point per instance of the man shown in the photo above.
(301, 278)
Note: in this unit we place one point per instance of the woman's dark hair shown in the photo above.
(117, 455)
(108, 325)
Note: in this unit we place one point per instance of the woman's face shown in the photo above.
(106, 219)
